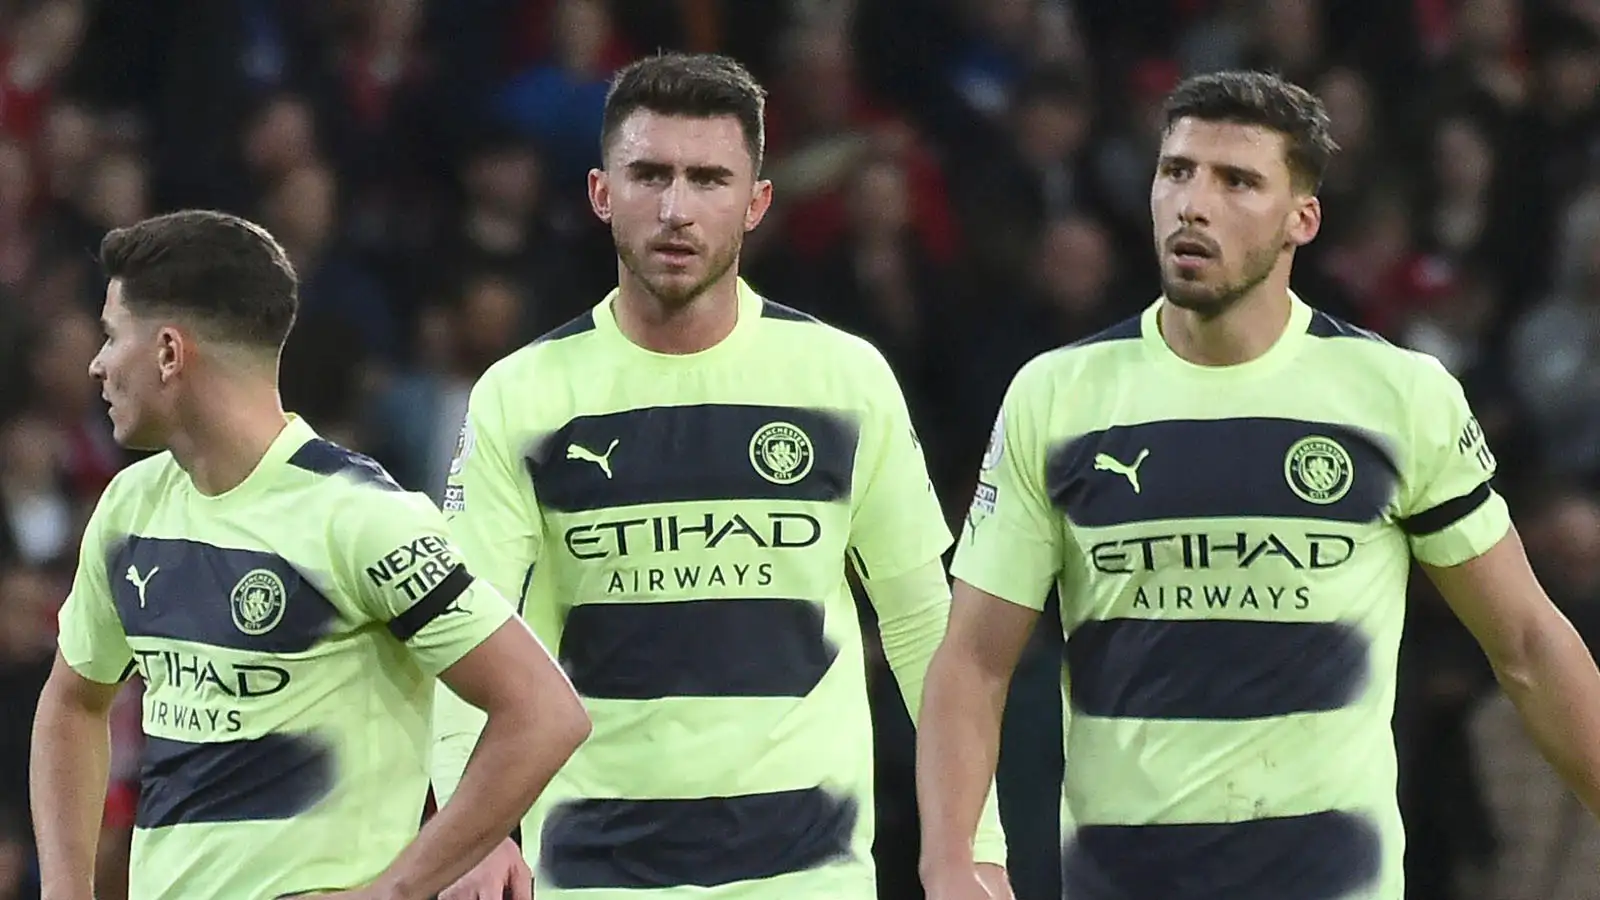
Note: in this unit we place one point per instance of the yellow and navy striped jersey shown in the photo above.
(1231, 546)
(679, 526)
(288, 633)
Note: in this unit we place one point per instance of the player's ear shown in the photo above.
(600, 194)
(760, 202)
(172, 352)
(1305, 220)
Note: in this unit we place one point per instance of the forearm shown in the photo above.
(503, 778)
(69, 768)
(1556, 688)
(958, 747)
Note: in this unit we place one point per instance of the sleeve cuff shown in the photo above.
(1466, 538)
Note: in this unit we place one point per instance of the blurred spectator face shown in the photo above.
(391, 23)
(1463, 158)
(13, 866)
(436, 337)
(1565, 541)
(679, 194)
(301, 208)
(1291, 29)
(880, 204)
(1008, 23)
(1345, 94)
(820, 76)
(59, 362)
(1051, 130)
(28, 454)
(117, 191)
(1487, 26)
(130, 377)
(49, 36)
(580, 33)
(505, 180)
(282, 138)
(1571, 79)
(1218, 234)
(490, 320)
(68, 143)
(16, 180)
(1074, 265)
(26, 598)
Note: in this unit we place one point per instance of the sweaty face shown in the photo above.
(1225, 211)
(128, 370)
(679, 194)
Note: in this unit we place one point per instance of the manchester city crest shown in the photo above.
(781, 453)
(1318, 470)
(258, 601)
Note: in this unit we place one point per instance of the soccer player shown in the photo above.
(1228, 492)
(673, 486)
(288, 608)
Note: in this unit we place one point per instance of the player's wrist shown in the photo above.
(946, 864)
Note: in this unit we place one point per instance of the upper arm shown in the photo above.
(91, 638)
(986, 631)
(1497, 597)
(489, 497)
(68, 687)
(507, 669)
(1013, 542)
(896, 524)
(405, 572)
(1449, 509)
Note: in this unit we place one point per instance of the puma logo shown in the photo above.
(603, 460)
(1130, 471)
(133, 578)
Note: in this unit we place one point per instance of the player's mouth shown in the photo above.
(677, 253)
(1191, 252)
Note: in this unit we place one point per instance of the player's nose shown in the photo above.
(674, 211)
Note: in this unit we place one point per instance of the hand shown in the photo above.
(995, 881)
(980, 882)
(503, 873)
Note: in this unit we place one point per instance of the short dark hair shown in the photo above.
(699, 85)
(228, 273)
(1265, 100)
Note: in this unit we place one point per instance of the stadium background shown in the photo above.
(965, 183)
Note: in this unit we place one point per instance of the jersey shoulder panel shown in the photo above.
(1100, 359)
(1357, 352)
(137, 486)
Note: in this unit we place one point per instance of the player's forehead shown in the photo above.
(113, 309)
(1223, 144)
(681, 142)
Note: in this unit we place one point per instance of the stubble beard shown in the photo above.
(1211, 301)
(672, 294)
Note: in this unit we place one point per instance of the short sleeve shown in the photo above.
(91, 639)
(1450, 510)
(489, 499)
(405, 572)
(1012, 544)
(896, 524)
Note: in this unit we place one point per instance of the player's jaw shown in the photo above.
(1196, 275)
(677, 269)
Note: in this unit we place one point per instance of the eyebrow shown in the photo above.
(1244, 172)
(696, 173)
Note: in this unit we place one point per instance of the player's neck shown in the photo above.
(698, 325)
(1244, 332)
(225, 430)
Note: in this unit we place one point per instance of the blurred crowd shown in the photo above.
(964, 182)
